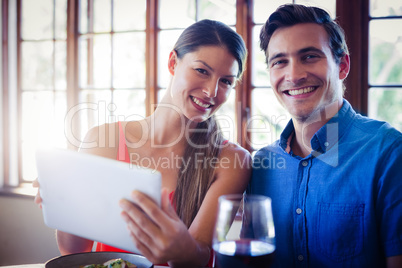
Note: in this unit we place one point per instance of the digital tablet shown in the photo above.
(81, 194)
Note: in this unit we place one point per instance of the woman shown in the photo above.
(205, 64)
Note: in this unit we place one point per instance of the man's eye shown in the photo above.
(278, 62)
(310, 56)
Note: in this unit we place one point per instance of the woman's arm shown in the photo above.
(69, 244)
(159, 233)
(232, 176)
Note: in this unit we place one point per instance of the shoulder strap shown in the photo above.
(122, 154)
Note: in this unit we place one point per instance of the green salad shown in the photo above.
(115, 263)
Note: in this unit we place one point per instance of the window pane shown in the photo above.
(385, 59)
(268, 118)
(129, 60)
(386, 105)
(224, 11)
(263, 9)
(83, 61)
(176, 13)
(327, 5)
(102, 16)
(42, 126)
(37, 65)
(129, 15)
(93, 109)
(380, 8)
(226, 117)
(167, 39)
(61, 19)
(37, 19)
(102, 61)
(83, 13)
(260, 74)
(161, 93)
(60, 65)
(129, 104)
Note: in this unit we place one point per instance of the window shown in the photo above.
(42, 79)
(385, 62)
(70, 65)
(111, 84)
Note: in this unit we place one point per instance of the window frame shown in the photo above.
(353, 16)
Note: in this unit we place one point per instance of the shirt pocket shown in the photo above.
(340, 230)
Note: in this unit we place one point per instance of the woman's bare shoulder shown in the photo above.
(102, 140)
(232, 150)
(234, 162)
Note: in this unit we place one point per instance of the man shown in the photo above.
(336, 187)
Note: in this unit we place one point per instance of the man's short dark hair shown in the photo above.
(292, 14)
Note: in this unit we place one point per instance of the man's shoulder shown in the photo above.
(373, 127)
(377, 137)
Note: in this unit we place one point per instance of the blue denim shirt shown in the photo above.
(341, 206)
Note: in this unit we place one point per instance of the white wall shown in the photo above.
(24, 238)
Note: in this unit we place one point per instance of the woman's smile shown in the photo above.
(200, 104)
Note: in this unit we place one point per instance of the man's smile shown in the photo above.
(295, 92)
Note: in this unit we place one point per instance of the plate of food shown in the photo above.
(100, 260)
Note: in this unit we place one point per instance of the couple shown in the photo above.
(336, 203)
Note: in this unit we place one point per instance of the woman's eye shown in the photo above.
(227, 82)
(202, 71)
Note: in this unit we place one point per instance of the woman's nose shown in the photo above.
(211, 89)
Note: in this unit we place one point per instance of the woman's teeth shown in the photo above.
(204, 105)
(300, 91)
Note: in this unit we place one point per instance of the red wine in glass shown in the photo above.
(244, 254)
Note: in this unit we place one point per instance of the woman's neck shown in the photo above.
(168, 127)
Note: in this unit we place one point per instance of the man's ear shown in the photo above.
(172, 62)
(344, 67)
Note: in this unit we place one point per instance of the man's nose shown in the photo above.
(295, 72)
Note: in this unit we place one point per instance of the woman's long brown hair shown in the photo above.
(197, 175)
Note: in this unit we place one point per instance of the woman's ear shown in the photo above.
(344, 67)
(172, 62)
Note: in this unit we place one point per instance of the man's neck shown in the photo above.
(305, 129)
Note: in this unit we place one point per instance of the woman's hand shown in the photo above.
(38, 198)
(158, 233)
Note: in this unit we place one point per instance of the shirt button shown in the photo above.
(299, 211)
(300, 257)
(326, 144)
(304, 163)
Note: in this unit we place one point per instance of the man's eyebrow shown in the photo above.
(310, 49)
(275, 56)
(301, 51)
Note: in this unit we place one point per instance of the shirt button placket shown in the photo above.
(300, 219)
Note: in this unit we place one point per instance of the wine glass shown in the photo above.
(244, 235)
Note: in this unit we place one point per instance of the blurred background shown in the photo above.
(68, 65)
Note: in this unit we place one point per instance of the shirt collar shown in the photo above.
(327, 136)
